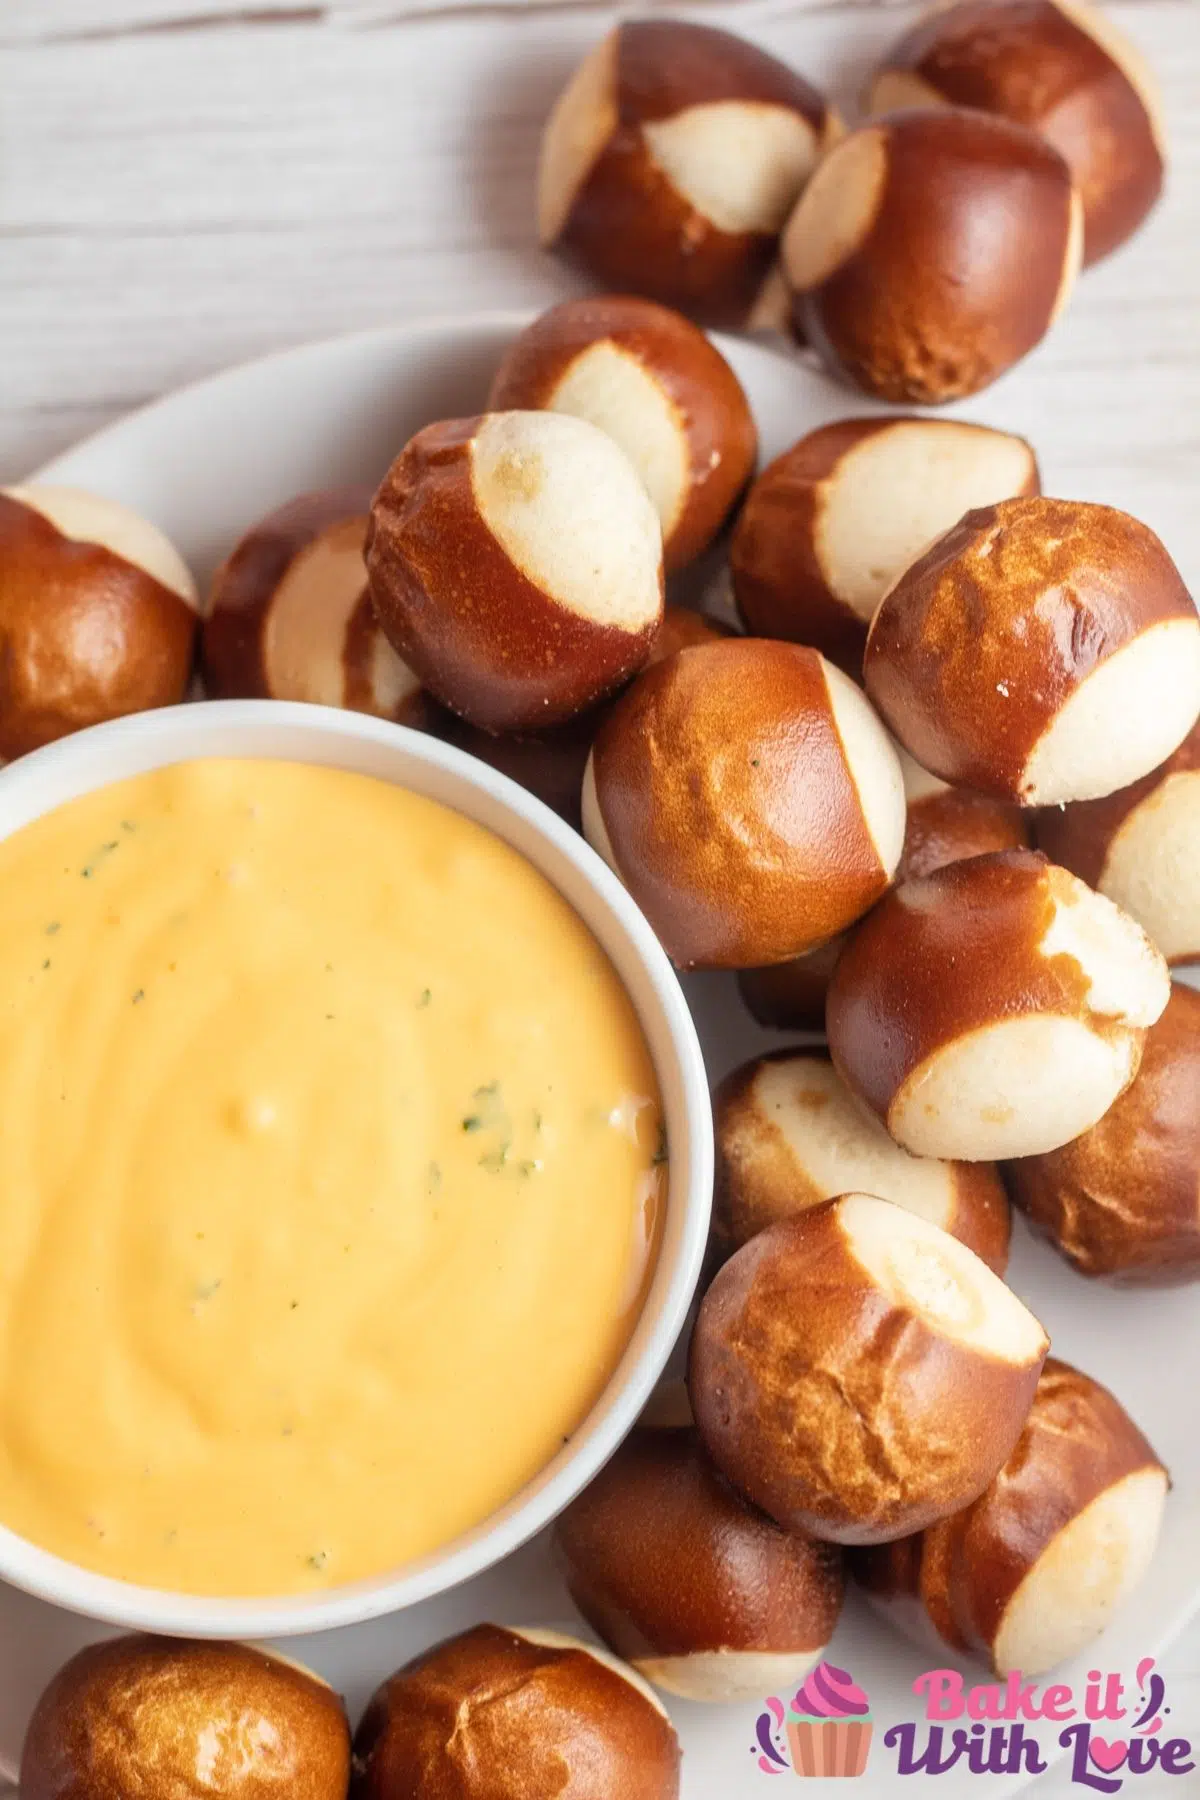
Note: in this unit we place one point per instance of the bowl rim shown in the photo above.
(97, 757)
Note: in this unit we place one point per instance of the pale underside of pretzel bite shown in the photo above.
(858, 1373)
(995, 1008)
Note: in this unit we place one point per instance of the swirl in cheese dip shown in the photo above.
(330, 1177)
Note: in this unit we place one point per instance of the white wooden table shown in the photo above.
(188, 183)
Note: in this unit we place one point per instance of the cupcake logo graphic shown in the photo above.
(825, 1729)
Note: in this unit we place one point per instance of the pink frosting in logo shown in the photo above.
(829, 1693)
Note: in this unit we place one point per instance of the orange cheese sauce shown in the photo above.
(330, 1177)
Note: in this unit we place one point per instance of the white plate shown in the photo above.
(205, 463)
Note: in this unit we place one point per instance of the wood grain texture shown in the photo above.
(187, 183)
(52, 21)
(56, 21)
(174, 201)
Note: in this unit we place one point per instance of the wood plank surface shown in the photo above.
(187, 183)
(172, 201)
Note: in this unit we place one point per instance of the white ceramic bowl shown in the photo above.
(209, 460)
(345, 740)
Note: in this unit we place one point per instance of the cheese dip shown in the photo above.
(330, 1177)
